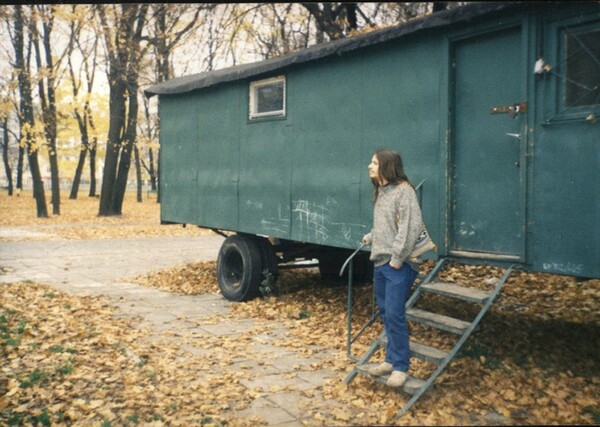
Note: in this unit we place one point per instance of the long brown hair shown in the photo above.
(391, 169)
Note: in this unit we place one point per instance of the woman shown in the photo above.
(397, 225)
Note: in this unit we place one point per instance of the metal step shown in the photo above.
(421, 351)
(437, 321)
(411, 386)
(456, 291)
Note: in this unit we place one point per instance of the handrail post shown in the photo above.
(349, 262)
(349, 312)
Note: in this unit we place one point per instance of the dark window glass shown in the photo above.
(269, 97)
(582, 83)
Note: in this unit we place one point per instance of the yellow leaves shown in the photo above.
(79, 219)
(508, 394)
(388, 414)
(504, 411)
(525, 401)
(32, 137)
(490, 380)
(359, 403)
(341, 414)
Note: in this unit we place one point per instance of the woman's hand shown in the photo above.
(366, 239)
(395, 266)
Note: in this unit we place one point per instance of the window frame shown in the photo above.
(253, 115)
(563, 95)
(554, 88)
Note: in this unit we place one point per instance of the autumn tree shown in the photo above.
(6, 108)
(83, 113)
(47, 83)
(22, 66)
(281, 28)
(336, 19)
(340, 19)
(121, 27)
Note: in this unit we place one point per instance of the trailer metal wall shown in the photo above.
(304, 177)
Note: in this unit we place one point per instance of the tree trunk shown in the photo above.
(92, 150)
(78, 172)
(91, 147)
(54, 177)
(117, 112)
(38, 185)
(151, 171)
(48, 100)
(82, 124)
(128, 143)
(138, 173)
(124, 53)
(20, 168)
(7, 169)
(26, 114)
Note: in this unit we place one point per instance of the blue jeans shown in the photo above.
(391, 290)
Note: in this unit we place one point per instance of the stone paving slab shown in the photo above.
(97, 268)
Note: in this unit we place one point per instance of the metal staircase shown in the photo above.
(459, 328)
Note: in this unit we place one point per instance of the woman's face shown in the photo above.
(374, 168)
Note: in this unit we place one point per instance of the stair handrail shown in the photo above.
(362, 245)
(349, 338)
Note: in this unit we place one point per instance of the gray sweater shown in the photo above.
(397, 225)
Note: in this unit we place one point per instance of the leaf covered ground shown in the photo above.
(69, 360)
(79, 219)
(533, 361)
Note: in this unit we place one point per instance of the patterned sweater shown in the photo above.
(397, 225)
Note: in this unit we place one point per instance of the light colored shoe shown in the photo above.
(381, 369)
(397, 379)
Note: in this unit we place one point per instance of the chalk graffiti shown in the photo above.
(279, 225)
(568, 268)
(318, 222)
(312, 222)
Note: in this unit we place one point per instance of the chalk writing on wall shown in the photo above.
(320, 222)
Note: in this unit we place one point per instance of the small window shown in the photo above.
(583, 69)
(267, 98)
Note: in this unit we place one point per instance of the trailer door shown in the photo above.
(487, 146)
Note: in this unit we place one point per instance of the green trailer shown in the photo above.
(493, 106)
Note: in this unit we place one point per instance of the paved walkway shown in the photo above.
(93, 267)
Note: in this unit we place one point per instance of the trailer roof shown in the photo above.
(457, 15)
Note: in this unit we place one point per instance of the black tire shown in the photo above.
(239, 268)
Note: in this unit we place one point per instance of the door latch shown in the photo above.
(511, 110)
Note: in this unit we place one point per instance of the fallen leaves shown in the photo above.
(70, 360)
(79, 220)
(191, 279)
(79, 376)
(533, 360)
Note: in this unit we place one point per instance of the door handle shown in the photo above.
(514, 135)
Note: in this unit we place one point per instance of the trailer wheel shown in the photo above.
(239, 268)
